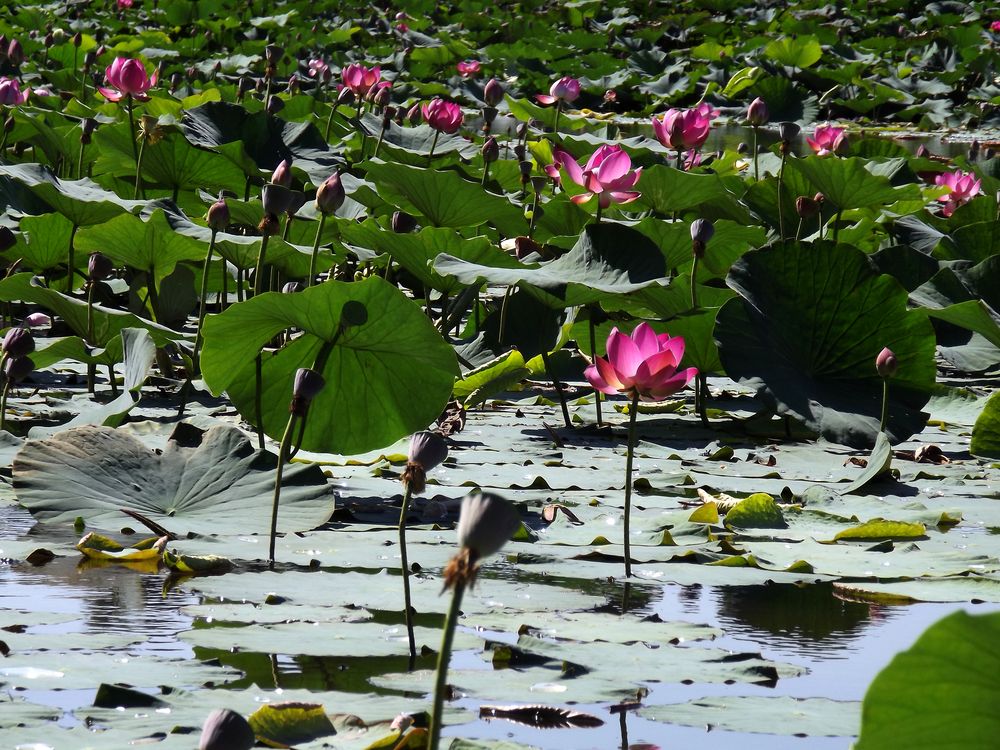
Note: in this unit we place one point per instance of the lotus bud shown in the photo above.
(486, 523)
(413, 115)
(88, 126)
(427, 450)
(16, 369)
(18, 342)
(886, 363)
(806, 207)
(225, 729)
(89, 58)
(787, 131)
(7, 239)
(388, 115)
(218, 215)
(15, 53)
(276, 199)
(243, 87)
(273, 54)
(757, 113)
(402, 223)
(48, 40)
(36, 320)
(99, 267)
(383, 95)
(293, 84)
(307, 385)
(345, 96)
(490, 150)
(522, 130)
(493, 92)
(525, 168)
(702, 231)
(330, 195)
(291, 287)
(77, 39)
(275, 104)
(282, 174)
(922, 151)
(176, 79)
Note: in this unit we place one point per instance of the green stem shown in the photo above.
(138, 172)
(593, 352)
(258, 279)
(131, 126)
(258, 400)
(79, 162)
(633, 412)
(381, 137)
(781, 213)
(486, 172)
(836, 225)
(434, 144)
(329, 122)
(282, 457)
(405, 565)
(444, 656)
(69, 268)
(558, 386)
(756, 171)
(694, 284)
(885, 405)
(798, 230)
(152, 295)
(3, 402)
(203, 304)
(555, 128)
(597, 218)
(701, 396)
(503, 312)
(315, 252)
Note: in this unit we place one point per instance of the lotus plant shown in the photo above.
(684, 129)
(217, 219)
(608, 174)
(962, 188)
(443, 116)
(485, 524)
(329, 197)
(468, 68)
(886, 365)
(427, 450)
(10, 92)
(757, 115)
(826, 139)
(127, 79)
(15, 364)
(644, 367)
(564, 91)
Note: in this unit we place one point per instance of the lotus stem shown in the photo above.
(286, 440)
(486, 173)
(79, 162)
(381, 137)
(258, 400)
(885, 405)
(836, 225)
(444, 656)
(69, 268)
(555, 128)
(152, 295)
(434, 144)
(329, 122)
(3, 400)
(559, 391)
(405, 566)
(781, 213)
(503, 313)
(633, 412)
(138, 172)
(680, 159)
(258, 279)
(131, 126)
(798, 230)
(91, 367)
(315, 252)
(202, 302)
(597, 217)
(593, 353)
(756, 170)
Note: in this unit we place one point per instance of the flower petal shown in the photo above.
(545, 99)
(671, 385)
(624, 356)
(569, 164)
(646, 340)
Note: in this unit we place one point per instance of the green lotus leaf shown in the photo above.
(810, 321)
(852, 182)
(939, 693)
(878, 464)
(986, 432)
(43, 242)
(291, 723)
(763, 714)
(385, 378)
(666, 190)
(759, 511)
(795, 51)
(210, 482)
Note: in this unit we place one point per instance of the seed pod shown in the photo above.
(490, 150)
(787, 131)
(486, 523)
(427, 450)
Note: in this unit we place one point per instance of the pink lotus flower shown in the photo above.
(10, 92)
(443, 116)
(566, 89)
(468, 68)
(826, 139)
(360, 79)
(128, 78)
(684, 128)
(962, 188)
(607, 174)
(995, 26)
(643, 364)
(123, 4)
(319, 70)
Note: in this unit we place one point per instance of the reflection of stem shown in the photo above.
(701, 396)
(558, 386)
(282, 457)
(315, 252)
(633, 412)
(444, 656)
(408, 613)
(593, 353)
(203, 298)
(624, 729)
(885, 405)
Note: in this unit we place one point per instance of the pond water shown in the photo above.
(842, 645)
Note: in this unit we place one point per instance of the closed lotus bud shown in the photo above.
(291, 287)
(243, 87)
(99, 267)
(382, 96)
(15, 53)
(18, 342)
(273, 53)
(403, 222)
(788, 130)
(490, 150)
(307, 386)
(493, 92)
(275, 104)
(330, 195)
(89, 58)
(886, 363)
(35, 320)
(16, 369)
(522, 130)
(88, 126)
(806, 207)
(77, 39)
(282, 174)
(486, 523)
(427, 450)
(176, 79)
(276, 199)
(702, 231)
(218, 215)
(225, 729)
(293, 84)
(757, 113)
(922, 151)
(413, 115)
(345, 96)
(7, 239)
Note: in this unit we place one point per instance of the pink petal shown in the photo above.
(545, 99)
(671, 385)
(598, 157)
(623, 355)
(621, 197)
(614, 166)
(582, 198)
(110, 94)
(602, 376)
(646, 340)
(674, 344)
(569, 164)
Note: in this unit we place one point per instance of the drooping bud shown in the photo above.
(413, 115)
(427, 450)
(99, 267)
(224, 729)
(330, 195)
(345, 96)
(218, 215)
(16, 369)
(490, 150)
(276, 199)
(702, 231)
(382, 97)
(788, 130)
(282, 174)
(273, 54)
(806, 207)
(308, 384)
(18, 342)
(493, 92)
(403, 222)
(275, 104)
(886, 363)
(757, 113)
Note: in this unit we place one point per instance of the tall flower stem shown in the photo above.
(70, 268)
(633, 412)
(202, 301)
(559, 104)
(138, 171)
(258, 399)
(258, 279)
(131, 126)
(885, 405)
(756, 155)
(558, 386)
(701, 379)
(434, 144)
(3, 404)
(781, 213)
(444, 657)
(286, 442)
(486, 173)
(79, 162)
(91, 368)
(593, 351)
(315, 252)
(405, 566)
(329, 122)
